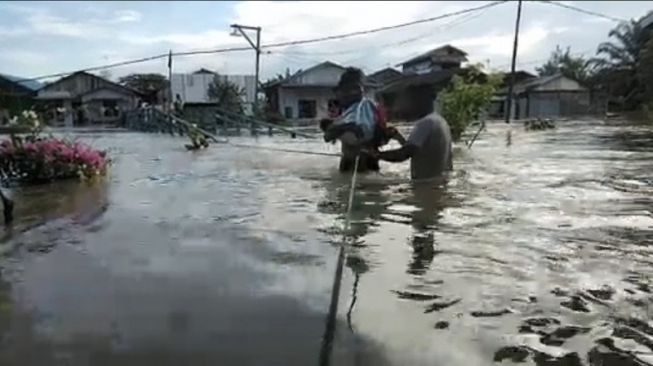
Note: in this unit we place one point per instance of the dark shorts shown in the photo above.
(366, 163)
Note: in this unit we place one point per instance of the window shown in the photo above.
(307, 108)
(287, 112)
(110, 108)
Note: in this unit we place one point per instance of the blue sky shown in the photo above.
(39, 38)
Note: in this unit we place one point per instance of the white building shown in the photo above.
(193, 88)
(307, 94)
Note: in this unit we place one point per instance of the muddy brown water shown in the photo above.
(538, 253)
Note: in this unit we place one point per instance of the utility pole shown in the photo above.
(239, 30)
(511, 83)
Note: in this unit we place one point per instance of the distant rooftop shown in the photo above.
(446, 53)
(31, 85)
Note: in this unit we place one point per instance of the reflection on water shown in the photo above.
(537, 252)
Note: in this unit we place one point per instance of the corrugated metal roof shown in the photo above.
(448, 50)
(409, 80)
(531, 84)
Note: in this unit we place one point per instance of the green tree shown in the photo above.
(563, 62)
(466, 98)
(226, 94)
(147, 84)
(619, 61)
(645, 69)
(645, 76)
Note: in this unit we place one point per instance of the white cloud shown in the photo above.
(41, 21)
(282, 21)
(13, 32)
(127, 16)
(113, 33)
(23, 57)
(184, 41)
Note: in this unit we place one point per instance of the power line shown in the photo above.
(446, 26)
(580, 10)
(272, 45)
(375, 30)
(137, 61)
(456, 22)
(523, 63)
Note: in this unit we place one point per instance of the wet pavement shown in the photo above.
(538, 253)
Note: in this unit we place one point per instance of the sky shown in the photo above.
(40, 38)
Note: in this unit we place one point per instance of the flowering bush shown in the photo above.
(32, 159)
(44, 160)
(27, 120)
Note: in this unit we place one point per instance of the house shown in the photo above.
(193, 88)
(423, 86)
(81, 98)
(385, 76)
(520, 77)
(422, 77)
(442, 58)
(15, 96)
(308, 94)
(547, 96)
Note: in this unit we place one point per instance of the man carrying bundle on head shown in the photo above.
(361, 125)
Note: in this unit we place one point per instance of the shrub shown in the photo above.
(32, 159)
(466, 98)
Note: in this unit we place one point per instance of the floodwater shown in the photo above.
(540, 253)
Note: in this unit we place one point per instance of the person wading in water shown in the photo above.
(429, 144)
(360, 125)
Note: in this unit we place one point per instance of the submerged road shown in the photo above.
(540, 252)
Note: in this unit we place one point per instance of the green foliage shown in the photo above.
(29, 158)
(25, 122)
(645, 72)
(226, 94)
(466, 98)
(563, 62)
(620, 65)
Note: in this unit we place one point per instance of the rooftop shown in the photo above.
(433, 77)
(530, 84)
(444, 53)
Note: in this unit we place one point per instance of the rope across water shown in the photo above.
(329, 331)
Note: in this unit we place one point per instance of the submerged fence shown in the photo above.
(225, 123)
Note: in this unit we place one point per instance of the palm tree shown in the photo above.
(617, 67)
(575, 67)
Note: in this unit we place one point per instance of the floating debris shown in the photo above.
(415, 296)
(437, 306)
(442, 325)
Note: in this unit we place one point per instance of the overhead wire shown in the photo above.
(584, 11)
(380, 29)
(394, 43)
(267, 46)
(313, 40)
